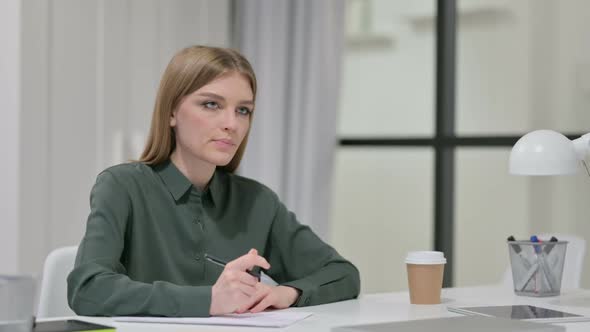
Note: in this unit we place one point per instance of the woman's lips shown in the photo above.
(224, 143)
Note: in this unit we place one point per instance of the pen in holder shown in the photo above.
(537, 267)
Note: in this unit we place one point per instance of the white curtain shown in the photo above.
(295, 47)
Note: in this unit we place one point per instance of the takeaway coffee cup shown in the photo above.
(425, 276)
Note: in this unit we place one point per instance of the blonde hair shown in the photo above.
(189, 70)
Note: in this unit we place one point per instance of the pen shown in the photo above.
(514, 246)
(552, 259)
(541, 259)
(522, 270)
(518, 250)
(222, 263)
(535, 239)
(531, 267)
(530, 274)
(549, 247)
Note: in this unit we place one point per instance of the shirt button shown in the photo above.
(199, 222)
(198, 257)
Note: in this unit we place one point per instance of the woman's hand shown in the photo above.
(235, 287)
(277, 297)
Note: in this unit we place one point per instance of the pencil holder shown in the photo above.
(537, 267)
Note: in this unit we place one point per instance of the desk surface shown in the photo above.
(386, 307)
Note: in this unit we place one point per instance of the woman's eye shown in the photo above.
(211, 105)
(243, 111)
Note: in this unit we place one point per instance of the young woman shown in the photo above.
(153, 222)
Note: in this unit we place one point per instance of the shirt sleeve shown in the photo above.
(300, 259)
(99, 285)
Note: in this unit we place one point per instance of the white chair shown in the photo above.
(53, 300)
(573, 265)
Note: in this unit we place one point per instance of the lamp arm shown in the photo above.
(582, 146)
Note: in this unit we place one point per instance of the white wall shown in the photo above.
(561, 101)
(9, 133)
(34, 142)
(89, 71)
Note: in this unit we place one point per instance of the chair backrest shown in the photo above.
(573, 265)
(53, 300)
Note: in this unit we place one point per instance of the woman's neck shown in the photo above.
(198, 172)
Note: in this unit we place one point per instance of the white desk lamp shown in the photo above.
(546, 152)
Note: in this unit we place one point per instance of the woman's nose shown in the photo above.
(229, 119)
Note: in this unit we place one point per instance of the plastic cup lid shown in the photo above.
(426, 257)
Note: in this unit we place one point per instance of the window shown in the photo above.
(423, 165)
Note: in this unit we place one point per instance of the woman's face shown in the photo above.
(211, 122)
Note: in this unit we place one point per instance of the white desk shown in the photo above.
(385, 307)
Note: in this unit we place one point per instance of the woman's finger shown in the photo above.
(265, 303)
(242, 277)
(255, 299)
(247, 262)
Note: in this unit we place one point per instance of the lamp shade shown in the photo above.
(543, 152)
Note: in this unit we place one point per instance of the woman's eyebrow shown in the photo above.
(216, 96)
(211, 95)
(246, 102)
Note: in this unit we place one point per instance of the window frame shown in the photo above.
(445, 141)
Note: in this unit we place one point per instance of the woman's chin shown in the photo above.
(220, 162)
(220, 158)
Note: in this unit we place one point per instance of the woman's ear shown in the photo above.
(173, 119)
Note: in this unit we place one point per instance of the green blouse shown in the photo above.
(149, 229)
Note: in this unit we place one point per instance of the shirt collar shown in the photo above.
(178, 184)
(174, 180)
(216, 186)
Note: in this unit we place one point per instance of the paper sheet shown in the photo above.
(263, 319)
